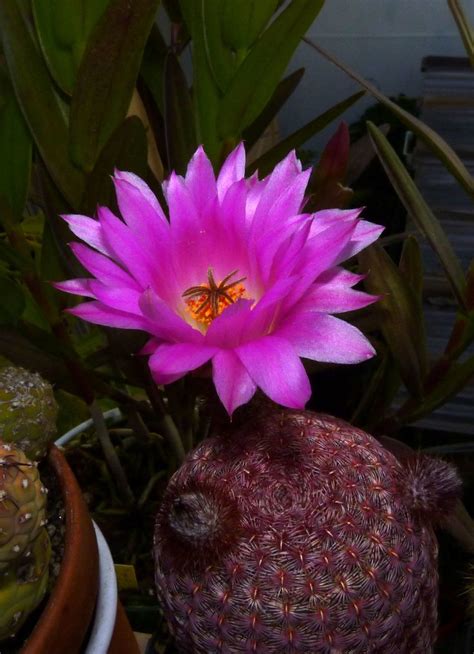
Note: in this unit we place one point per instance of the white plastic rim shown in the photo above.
(106, 607)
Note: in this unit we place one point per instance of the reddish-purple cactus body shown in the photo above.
(298, 533)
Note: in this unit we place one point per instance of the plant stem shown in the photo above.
(110, 454)
(167, 423)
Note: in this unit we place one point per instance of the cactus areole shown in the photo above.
(299, 533)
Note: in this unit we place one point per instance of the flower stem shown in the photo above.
(170, 431)
(110, 454)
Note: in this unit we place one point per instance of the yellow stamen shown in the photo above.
(206, 302)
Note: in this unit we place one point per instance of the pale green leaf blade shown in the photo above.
(38, 101)
(267, 161)
(107, 76)
(422, 215)
(258, 75)
(434, 142)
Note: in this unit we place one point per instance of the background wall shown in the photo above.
(384, 40)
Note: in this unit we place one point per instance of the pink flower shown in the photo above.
(237, 276)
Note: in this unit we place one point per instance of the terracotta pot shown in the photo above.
(65, 622)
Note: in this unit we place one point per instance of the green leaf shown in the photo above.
(422, 215)
(63, 27)
(12, 301)
(222, 61)
(434, 142)
(179, 126)
(465, 29)
(458, 376)
(12, 258)
(242, 21)
(107, 76)
(206, 96)
(411, 268)
(282, 92)
(39, 103)
(399, 313)
(153, 66)
(15, 148)
(267, 161)
(125, 150)
(257, 77)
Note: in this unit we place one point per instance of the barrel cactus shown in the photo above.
(28, 411)
(22, 505)
(23, 585)
(300, 533)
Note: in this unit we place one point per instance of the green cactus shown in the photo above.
(28, 411)
(22, 505)
(23, 585)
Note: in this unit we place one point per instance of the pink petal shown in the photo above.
(232, 170)
(275, 367)
(200, 179)
(150, 346)
(145, 191)
(145, 219)
(175, 360)
(75, 287)
(338, 276)
(101, 267)
(88, 230)
(166, 323)
(127, 249)
(232, 327)
(322, 337)
(183, 213)
(123, 299)
(324, 250)
(326, 298)
(232, 381)
(365, 234)
(279, 201)
(99, 314)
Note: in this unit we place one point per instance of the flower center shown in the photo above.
(206, 302)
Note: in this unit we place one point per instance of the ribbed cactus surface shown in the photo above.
(23, 585)
(28, 411)
(298, 533)
(25, 549)
(22, 504)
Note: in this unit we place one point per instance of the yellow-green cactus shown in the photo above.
(22, 505)
(28, 411)
(23, 585)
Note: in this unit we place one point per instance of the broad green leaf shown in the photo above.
(434, 142)
(153, 66)
(257, 77)
(465, 29)
(72, 411)
(282, 92)
(12, 301)
(206, 96)
(222, 61)
(179, 125)
(63, 27)
(107, 76)
(267, 161)
(125, 150)
(15, 148)
(39, 103)
(399, 313)
(242, 21)
(420, 212)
